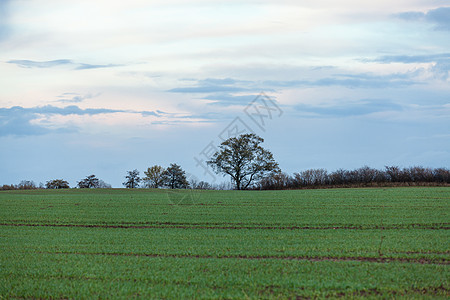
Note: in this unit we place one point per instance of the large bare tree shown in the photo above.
(244, 160)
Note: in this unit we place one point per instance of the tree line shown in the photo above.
(90, 181)
(361, 177)
(250, 166)
(174, 177)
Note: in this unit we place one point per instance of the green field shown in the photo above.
(349, 243)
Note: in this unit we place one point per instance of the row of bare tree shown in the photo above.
(90, 181)
(364, 176)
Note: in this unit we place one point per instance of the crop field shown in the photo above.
(117, 243)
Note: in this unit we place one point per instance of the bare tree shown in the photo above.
(393, 173)
(26, 185)
(201, 185)
(244, 160)
(441, 175)
(366, 175)
(276, 181)
(339, 176)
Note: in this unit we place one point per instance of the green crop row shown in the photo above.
(413, 244)
(400, 208)
(106, 277)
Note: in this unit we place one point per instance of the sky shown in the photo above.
(103, 87)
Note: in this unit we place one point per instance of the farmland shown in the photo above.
(105, 243)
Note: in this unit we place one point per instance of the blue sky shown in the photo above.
(102, 87)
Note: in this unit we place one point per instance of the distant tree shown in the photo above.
(201, 185)
(393, 173)
(90, 182)
(441, 175)
(421, 174)
(175, 177)
(339, 177)
(311, 177)
(26, 185)
(7, 187)
(133, 179)
(244, 160)
(224, 186)
(366, 175)
(304, 178)
(57, 184)
(103, 185)
(154, 177)
(276, 181)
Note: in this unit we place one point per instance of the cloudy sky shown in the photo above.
(101, 87)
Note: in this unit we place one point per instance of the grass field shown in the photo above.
(225, 244)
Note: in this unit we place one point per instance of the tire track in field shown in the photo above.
(220, 226)
(261, 257)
